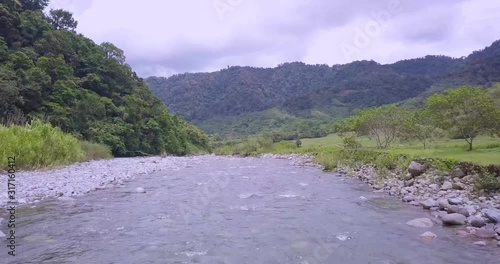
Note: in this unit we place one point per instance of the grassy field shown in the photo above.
(486, 149)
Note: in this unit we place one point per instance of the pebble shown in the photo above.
(79, 178)
(477, 222)
(421, 222)
(480, 243)
(428, 235)
(2, 235)
(454, 219)
(140, 190)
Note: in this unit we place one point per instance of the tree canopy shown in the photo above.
(49, 71)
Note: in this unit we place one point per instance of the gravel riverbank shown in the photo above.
(448, 196)
(81, 178)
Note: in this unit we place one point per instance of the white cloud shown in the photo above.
(163, 37)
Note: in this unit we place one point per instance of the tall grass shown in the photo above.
(38, 145)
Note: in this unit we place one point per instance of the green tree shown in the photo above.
(468, 111)
(34, 5)
(384, 124)
(62, 20)
(421, 126)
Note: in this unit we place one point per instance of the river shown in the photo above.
(236, 210)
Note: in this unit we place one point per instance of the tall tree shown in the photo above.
(466, 110)
(62, 20)
(33, 5)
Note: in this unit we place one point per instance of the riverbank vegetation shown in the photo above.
(459, 125)
(39, 145)
(50, 72)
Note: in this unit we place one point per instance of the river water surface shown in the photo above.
(234, 210)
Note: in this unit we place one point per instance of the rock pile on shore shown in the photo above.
(449, 196)
(296, 159)
(84, 177)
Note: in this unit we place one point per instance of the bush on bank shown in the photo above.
(39, 145)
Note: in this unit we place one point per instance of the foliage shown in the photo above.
(487, 182)
(385, 124)
(39, 145)
(466, 110)
(298, 90)
(50, 72)
(94, 151)
(421, 126)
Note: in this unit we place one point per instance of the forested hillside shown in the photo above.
(303, 90)
(48, 71)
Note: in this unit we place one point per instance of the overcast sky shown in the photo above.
(164, 37)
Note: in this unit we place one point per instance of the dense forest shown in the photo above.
(304, 92)
(49, 72)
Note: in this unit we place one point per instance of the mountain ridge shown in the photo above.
(298, 88)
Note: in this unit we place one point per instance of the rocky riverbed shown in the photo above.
(448, 196)
(84, 177)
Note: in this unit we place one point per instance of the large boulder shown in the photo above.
(486, 232)
(493, 215)
(457, 173)
(416, 169)
(421, 222)
(454, 219)
(455, 201)
(408, 198)
(429, 203)
(467, 210)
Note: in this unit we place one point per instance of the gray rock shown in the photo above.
(455, 201)
(453, 209)
(428, 234)
(446, 186)
(414, 203)
(458, 173)
(421, 222)
(477, 222)
(140, 190)
(454, 219)
(2, 235)
(434, 186)
(429, 203)
(457, 186)
(408, 198)
(467, 210)
(416, 169)
(443, 203)
(493, 215)
(480, 243)
(485, 232)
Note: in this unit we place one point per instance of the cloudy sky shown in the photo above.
(165, 37)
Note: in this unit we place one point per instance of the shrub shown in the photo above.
(38, 145)
(487, 182)
(94, 151)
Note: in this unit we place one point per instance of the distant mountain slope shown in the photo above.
(298, 88)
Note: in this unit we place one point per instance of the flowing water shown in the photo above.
(232, 210)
